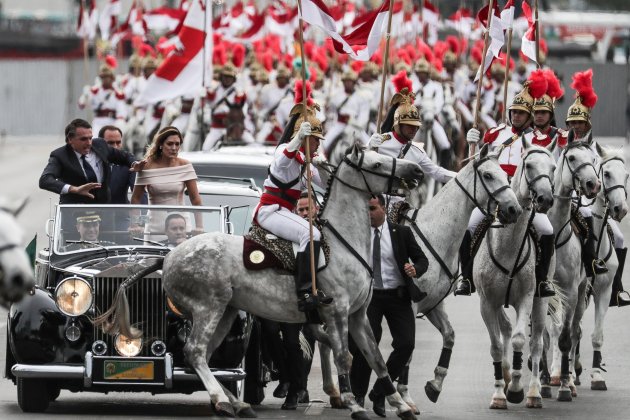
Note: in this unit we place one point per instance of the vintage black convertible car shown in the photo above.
(51, 341)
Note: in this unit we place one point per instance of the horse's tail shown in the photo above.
(116, 319)
(307, 350)
(556, 305)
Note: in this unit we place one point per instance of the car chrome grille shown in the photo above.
(147, 308)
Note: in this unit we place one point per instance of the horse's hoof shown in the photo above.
(515, 397)
(599, 386)
(545, 391)
(573, 390)
(555, 381)
(577, 381)
(578, 368)
(564, 395)
(224, 409)
(498, 404)
(414, 408)
(336, 403)
(360, 415)
(407, 415)
(247, 413)
(534, 402)
(432, 393)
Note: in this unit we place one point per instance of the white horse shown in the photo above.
(610, 202)
(504, 273)
(205, 278)
(16, 272)
(575, 172)
(439, 227)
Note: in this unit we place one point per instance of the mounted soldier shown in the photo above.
(282, 189)
(399, 129)
(580, 129)
(544, 109)
(506, 141)
(107, 103)
(270, 98)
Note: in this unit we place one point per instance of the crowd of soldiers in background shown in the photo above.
(251, 95)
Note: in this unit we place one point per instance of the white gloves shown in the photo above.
(375, 141)
(320, 157)
(304, 131)
(473, 136)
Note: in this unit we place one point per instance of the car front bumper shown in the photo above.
(85, 373)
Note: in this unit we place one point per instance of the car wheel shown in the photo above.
(33, 396)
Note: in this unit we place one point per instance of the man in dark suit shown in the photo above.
(79, 171)
(122, 179)
(393, 246)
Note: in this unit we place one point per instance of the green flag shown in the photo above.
(31, 250)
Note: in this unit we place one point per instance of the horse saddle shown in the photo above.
(581, 228)
(262, 249)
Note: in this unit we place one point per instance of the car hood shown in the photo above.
(115, 266)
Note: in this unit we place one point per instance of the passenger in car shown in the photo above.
(175, 228)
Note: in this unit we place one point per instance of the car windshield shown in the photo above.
(80, 227)
(222, 169)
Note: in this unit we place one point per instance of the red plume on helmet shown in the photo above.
(111, 61)
(238, 55)
(401, 81)
(453, 44)
(583, 85)
(537, 84)
(554, 89)
(298, 92)
(266, 60)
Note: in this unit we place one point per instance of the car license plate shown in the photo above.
(128, 369)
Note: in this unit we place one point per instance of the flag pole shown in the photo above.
(486, 35)
(507, 72)
(385, 65)
(84, 42)
(537, 32)
(307, 153)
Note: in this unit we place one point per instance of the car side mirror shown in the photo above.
(229, 227)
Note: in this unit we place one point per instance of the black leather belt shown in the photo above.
(282, 195)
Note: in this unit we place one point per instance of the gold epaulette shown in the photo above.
(387, 137)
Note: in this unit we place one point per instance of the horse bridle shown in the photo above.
(530, 182)
(600, 175)
(491, 194)
(574, 171)
(359, 167)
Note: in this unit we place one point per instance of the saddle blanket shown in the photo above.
(262, 249)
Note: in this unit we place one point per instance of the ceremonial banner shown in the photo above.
(359, 44)
(528, 42)
(108, 19)
(86, 26)
(182, 72)
(462, 21)
(164, 19)
(497, 36)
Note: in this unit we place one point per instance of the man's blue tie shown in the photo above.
(89, 171)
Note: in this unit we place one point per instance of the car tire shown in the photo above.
(33, 396)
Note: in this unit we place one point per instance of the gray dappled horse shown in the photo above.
(575, 172)
(206, 279)
(504, 273)
(610, 202)
(16, 273)
(442, 222)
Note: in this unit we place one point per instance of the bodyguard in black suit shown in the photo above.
(393, 246)
(79, 171)
(122, 179)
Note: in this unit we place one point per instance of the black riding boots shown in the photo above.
(619, 297)
(592, 264)
(547, 248)
(307, 301)
(466, 285)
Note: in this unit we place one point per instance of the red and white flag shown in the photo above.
(86, 26)
(507, 15)
(497, 36)
(430, 14)
(164, 19)
(462, 21)
(359, 44)
(182, 72)
(108, 19)
(528, 42)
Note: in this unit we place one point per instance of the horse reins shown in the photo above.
(492, 195)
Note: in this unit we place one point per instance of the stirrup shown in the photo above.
(544, 291)
(599, 266)
(618, 301)
(464, 288)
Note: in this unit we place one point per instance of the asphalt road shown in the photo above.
(467, 389)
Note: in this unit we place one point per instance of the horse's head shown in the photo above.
(537, 170)
(614, 178)
(577, 169)
(492, 190)
(16, 274)
(376, 173)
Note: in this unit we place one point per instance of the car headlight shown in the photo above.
(74, 296)
(127, 347)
